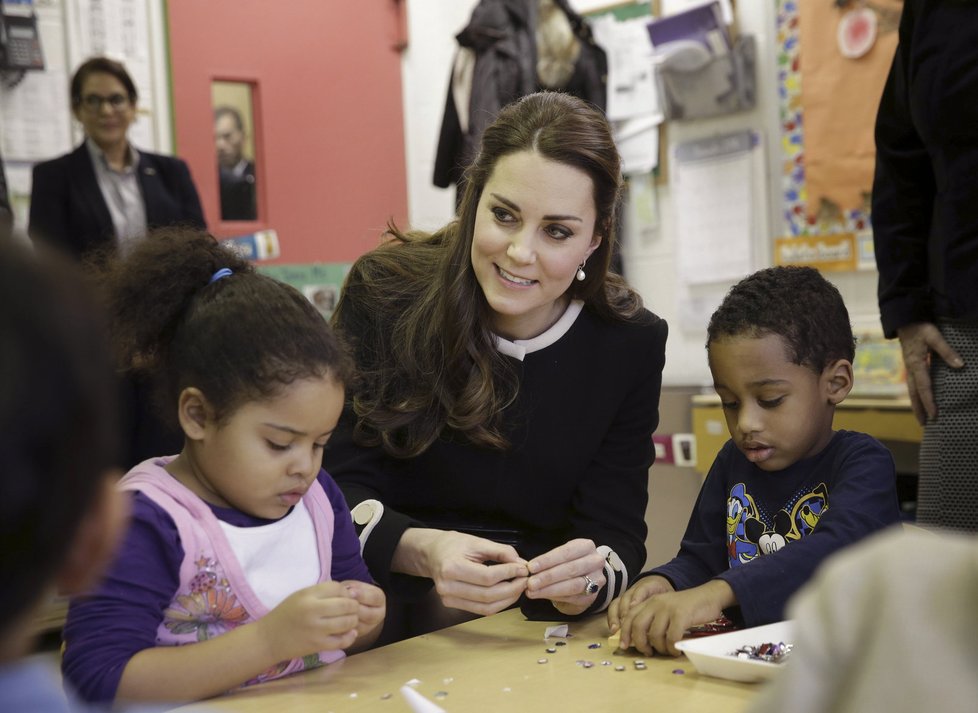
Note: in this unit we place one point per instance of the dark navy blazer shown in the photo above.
(69, 212)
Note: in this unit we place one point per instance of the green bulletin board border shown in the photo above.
(319, 282)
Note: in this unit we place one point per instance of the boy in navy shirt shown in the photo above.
(786, 490)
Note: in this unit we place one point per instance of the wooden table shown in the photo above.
(491, 664)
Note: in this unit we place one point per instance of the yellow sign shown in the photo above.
(830, 253)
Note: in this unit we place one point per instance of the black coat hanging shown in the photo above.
(496, 64)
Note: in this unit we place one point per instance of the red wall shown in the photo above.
(328, 115)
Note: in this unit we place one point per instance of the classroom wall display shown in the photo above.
(835, 252)
(319, 282)
(35, 122)
(702, 70)
(634, 108)
(831, 68)
(827, 106)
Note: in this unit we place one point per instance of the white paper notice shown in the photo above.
(711, 186)
(671, 7)
(632, 89)
(643, 207)
(638, 143)
(35, 116)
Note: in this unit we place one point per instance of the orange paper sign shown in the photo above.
(831, 253)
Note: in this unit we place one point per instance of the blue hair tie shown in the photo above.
(223, 272)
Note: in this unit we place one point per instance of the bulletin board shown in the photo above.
(799, 218)
(815, 237)
(796, 220)
(321, 283)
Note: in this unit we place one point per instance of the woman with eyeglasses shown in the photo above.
(106, 193)
(102, 196)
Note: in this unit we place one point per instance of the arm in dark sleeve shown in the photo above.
(188, 198)
(364, 473)
(48, 221)
(703, 550)
(105, 629)
(347, 563)
(903, 196)
(361, 474)
(861, 500)
(609, 505)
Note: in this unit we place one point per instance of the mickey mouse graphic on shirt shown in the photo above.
(748, 536)
(740, 511)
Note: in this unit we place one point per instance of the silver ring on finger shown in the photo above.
(590, 586)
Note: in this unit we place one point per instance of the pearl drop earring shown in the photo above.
(580, 273)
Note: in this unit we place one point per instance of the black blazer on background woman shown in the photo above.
(69, 212)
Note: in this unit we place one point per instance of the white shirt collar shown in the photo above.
(519, 348)
(98, 155)
(240, 167)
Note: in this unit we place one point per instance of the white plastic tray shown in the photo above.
(711, 654)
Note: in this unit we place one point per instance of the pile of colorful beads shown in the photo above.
(772, 653)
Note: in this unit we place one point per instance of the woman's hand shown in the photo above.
(918, 340)
(562, 576)
(470, 573)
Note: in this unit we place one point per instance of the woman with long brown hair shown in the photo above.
(499, 439)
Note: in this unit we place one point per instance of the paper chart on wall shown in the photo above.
(632, 91)
(712, 189)
(35, 117)
(671, 7)
(34, 112)
(638, 144)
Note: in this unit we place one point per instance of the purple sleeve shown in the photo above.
(120, 617)
(347, 560)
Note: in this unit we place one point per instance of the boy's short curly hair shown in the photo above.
(797, 304)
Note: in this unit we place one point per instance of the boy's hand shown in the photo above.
(323, 617)
(660, 621)
(372, 609)
(558, 575)
(633, 596)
